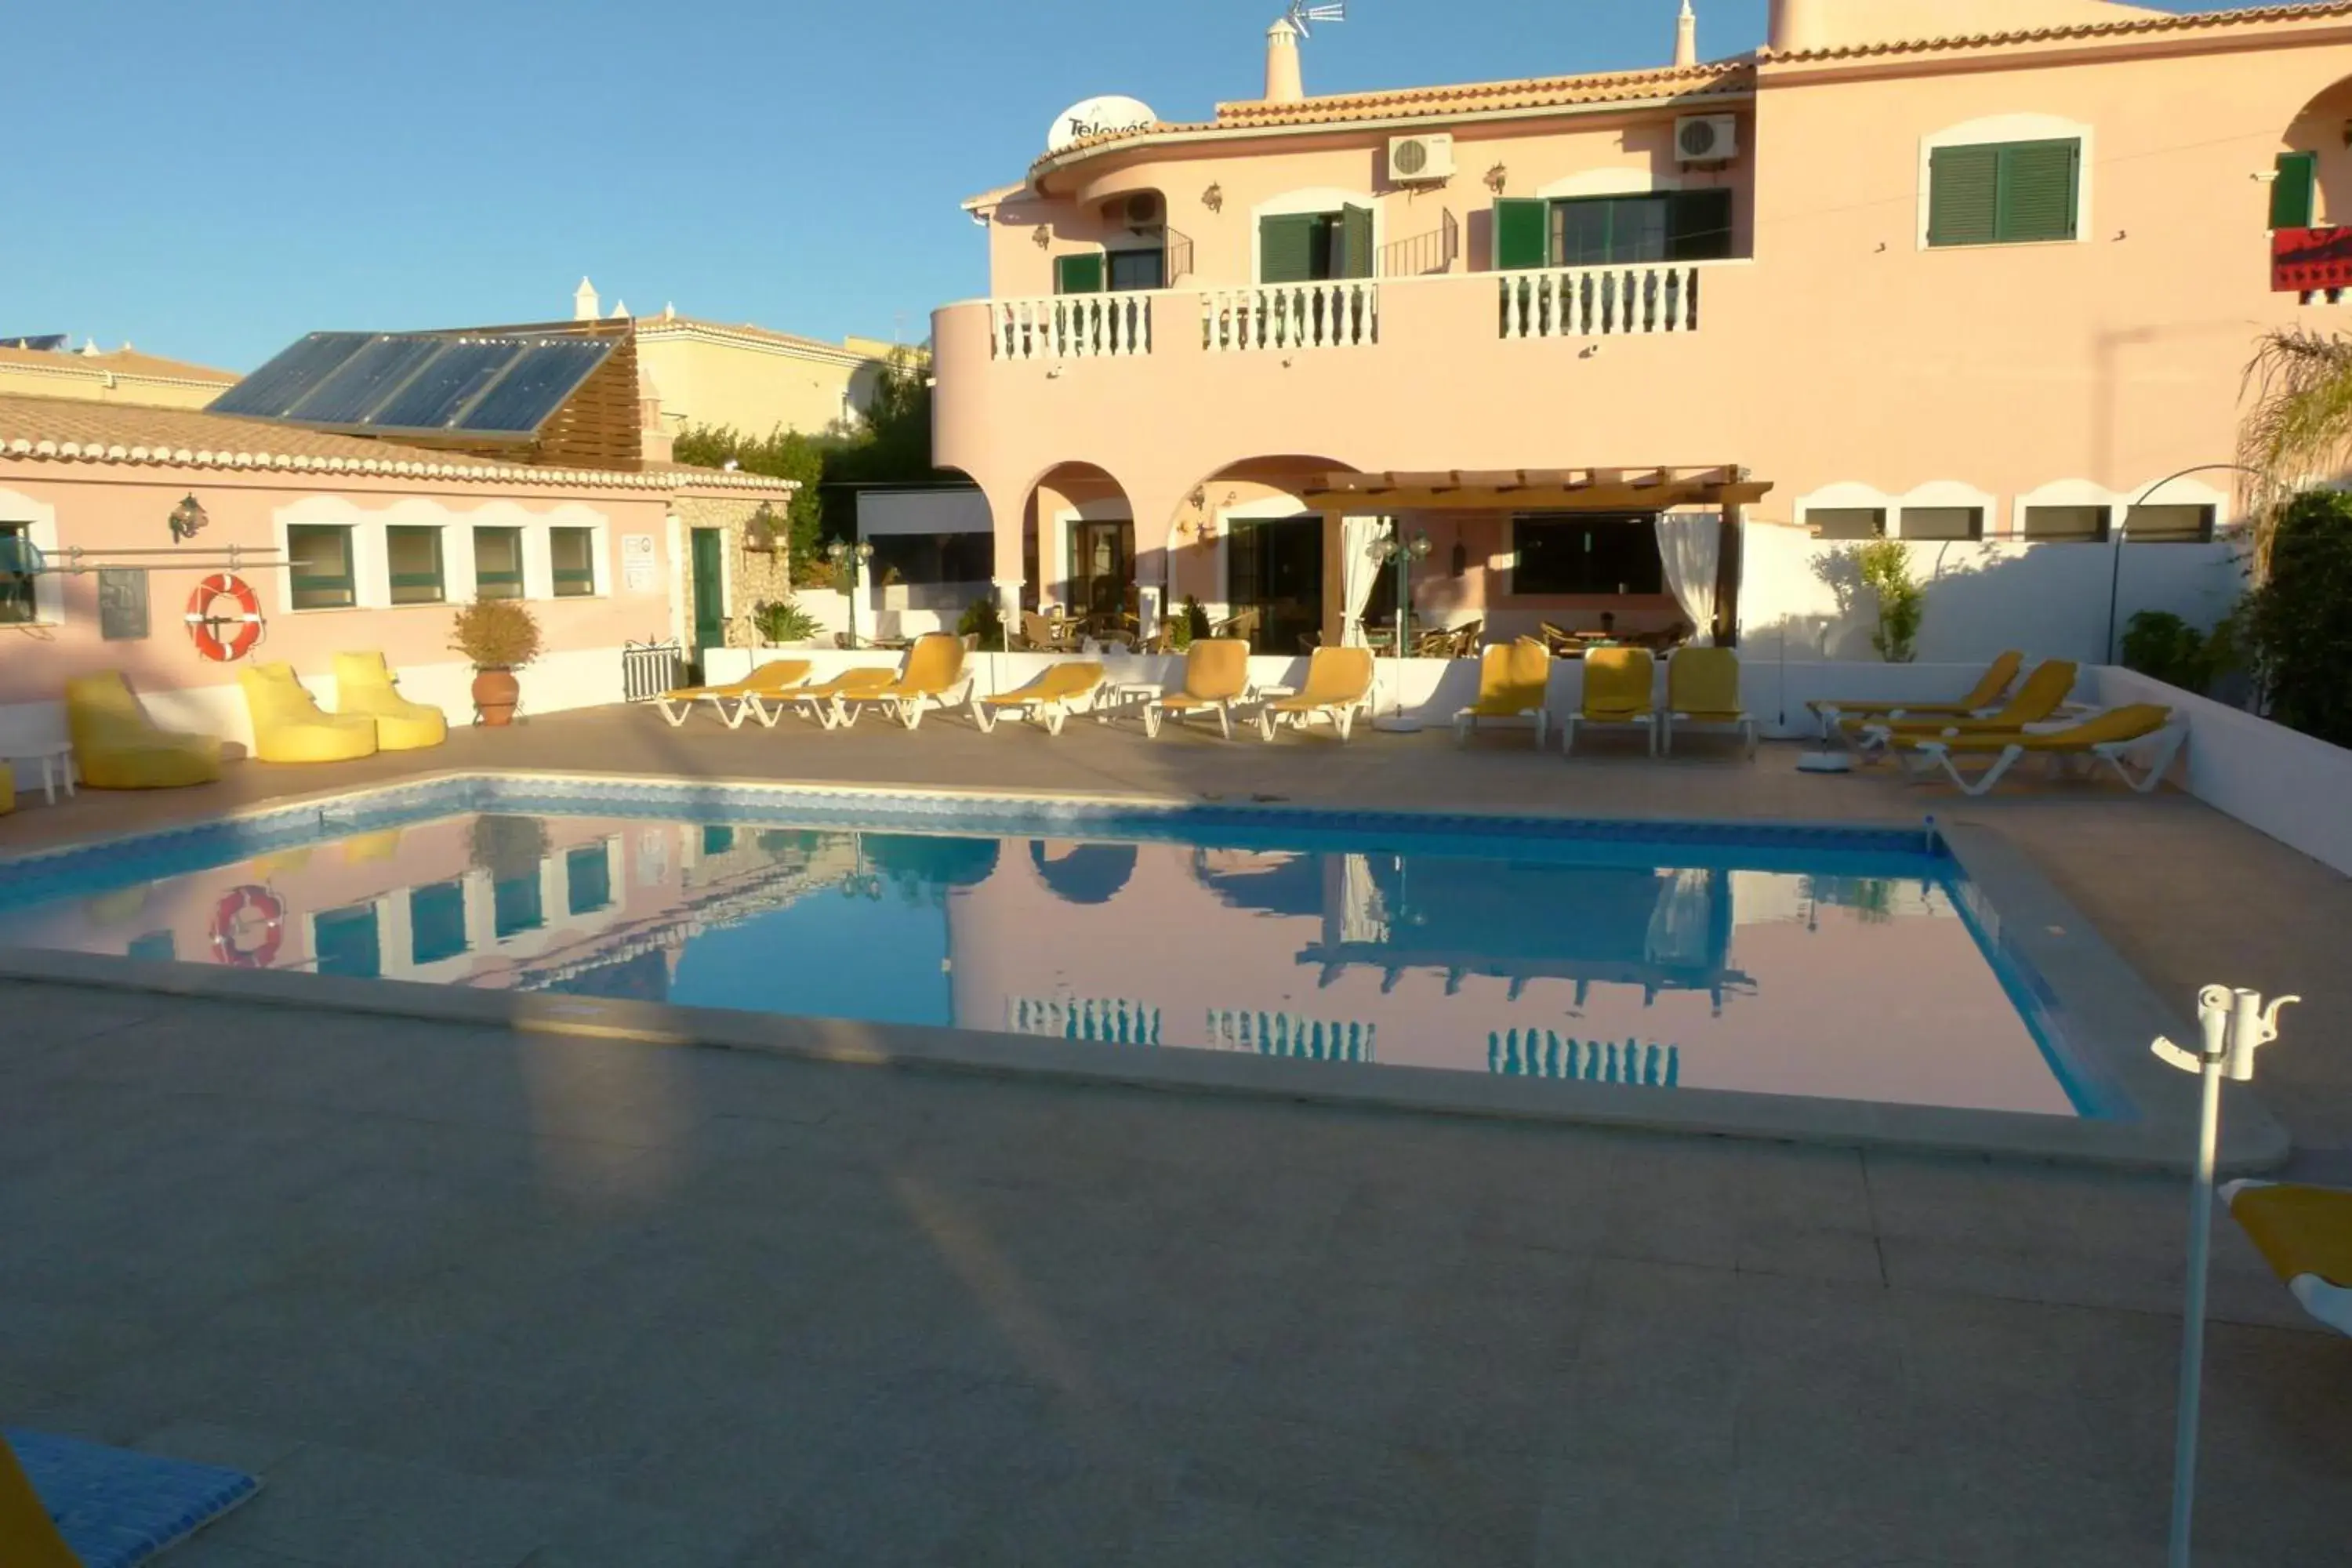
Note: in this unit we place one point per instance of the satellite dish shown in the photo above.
(1097, 117)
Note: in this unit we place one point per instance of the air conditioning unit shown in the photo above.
(1420, 160)
(1706, 138)
(1140, 211)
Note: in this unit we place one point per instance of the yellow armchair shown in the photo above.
(117, 746)
(364, 687)
(289, 725)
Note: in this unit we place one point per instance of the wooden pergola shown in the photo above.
(1724, 487)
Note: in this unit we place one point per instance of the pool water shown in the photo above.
(1807, 963)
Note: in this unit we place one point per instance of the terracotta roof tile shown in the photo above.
(2122, 27)
(122, 361)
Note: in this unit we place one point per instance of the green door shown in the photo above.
(710, 589)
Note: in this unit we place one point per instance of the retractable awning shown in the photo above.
(1535, 490)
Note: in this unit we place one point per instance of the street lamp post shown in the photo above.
(2123, 528)
(1404, 553)
(853, 557)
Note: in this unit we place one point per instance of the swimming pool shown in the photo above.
(1855, 964)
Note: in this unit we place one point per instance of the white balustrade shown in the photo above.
(1340, 313)
(1070, 326)
(1600, 302)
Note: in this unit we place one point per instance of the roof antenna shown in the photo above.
(1302, 12)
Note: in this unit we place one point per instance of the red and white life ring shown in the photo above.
(207, 625)
(248, 927)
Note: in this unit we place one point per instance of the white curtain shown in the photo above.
(1358, 572)
(1691, 543)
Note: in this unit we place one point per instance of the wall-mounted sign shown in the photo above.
(1094, 116)
(121, 602)
(639, 574)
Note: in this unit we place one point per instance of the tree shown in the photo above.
(2299, 621)
(782, 455)
(2299, 429)
(1885, 568)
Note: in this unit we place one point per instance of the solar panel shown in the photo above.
(435, 394)
(352, 391)
(535, 388)
(274, 389)
(417, 383)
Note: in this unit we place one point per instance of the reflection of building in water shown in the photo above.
(1543, 1053)
(1118, 1023)
(1290, 1035)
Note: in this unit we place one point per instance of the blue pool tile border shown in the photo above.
(118, 1507)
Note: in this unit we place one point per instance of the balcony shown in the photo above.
(2309, 262)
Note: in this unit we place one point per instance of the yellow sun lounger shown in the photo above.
(28, 1537)
(1216, 677)
(117, 746)
(772, 679)
(1617, 684)
(933, 674)
(2036, 702)
(289, 725)
(2306, 1234)
(364, 685)
(820, 700)
(1829, 712)
(2104, 737)
(1059, 690)
(1512, 680)
(1339, 686)
(1703, 688)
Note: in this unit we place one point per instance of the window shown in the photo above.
(717, 840)
(1562, 553)
(2295, 192)
(573, 551)
(588, 873)
(1303, 247)
(414, 554)
(1593, 231)
(436, 922)
(2002, 192)
(1847, 522)
(515, 906)
(925, 558)
(2079, 524)
(1138, 268)
(17, 604)
(498, 562)
(1943, 523)
(1081, 274)
(348, 942)
(320, 561)
(2169, 525)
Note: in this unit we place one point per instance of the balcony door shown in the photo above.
(1274, 565)
(1102, 566)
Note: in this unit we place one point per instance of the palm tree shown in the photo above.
(2300, 427)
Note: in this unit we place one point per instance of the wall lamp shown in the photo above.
(188, 519)
(1213, 198)
(1496, 178)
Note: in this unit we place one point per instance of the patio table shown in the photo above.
(56, 762)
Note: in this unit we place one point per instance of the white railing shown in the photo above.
(1600, 302)
(1344, 314)
(1070, 326)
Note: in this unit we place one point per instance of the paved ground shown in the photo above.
(466, 1298)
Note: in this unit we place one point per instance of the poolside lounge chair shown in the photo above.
(1617, 685)
(934, 671)
(2036, 702)
(2104, 737)
(1703, 688)
(1512, 679)
(1339, 686)
(289, 725)
(821, 700)
(1216, 676)
(117, 746)
(1986, 694)
(2306, 1234)
(364, 685)
(1058, 690)
(770, 679)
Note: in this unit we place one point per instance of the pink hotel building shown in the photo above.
(1972, 269)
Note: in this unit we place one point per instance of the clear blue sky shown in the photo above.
(210, 179)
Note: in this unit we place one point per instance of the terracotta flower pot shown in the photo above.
(494, 693)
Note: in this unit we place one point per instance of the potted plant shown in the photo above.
(785, 621)
(498, 637)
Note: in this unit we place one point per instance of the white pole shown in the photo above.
(2216, 1023)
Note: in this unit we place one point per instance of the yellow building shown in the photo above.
(117, 375)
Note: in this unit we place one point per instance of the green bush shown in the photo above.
(982, 619)
(782, 621)
(2160, 644)
(2299, 622)
(1885, 568)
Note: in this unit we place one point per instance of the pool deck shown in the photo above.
(467, 1296)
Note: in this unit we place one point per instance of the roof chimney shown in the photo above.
(1796, 25)
(1282, 83)
(1686, 38)
(583, 302)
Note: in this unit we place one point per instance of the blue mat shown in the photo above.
(116, 1507)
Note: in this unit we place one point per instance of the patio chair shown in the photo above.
(934, 672)
(768, 680)
(2104, 737)
(1058, 690)
(1216, 676)
(1241, 626)
(1339, 686)
(2305, 1235)
(1702, 689)
(1617, 685)
(2036, 700)
(117, 746)
(364, 685)
(1512, 680)
(1828, 711)
(1047, 634)
(820, 700)
(289, 726)
(1466, 638)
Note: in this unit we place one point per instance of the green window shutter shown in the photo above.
(1286, 248)
(2294, 193)
(1355, 242)
(1522, 232)
(1080, 274)
(2037, 191)
(1963, 183)
(1698, 225)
